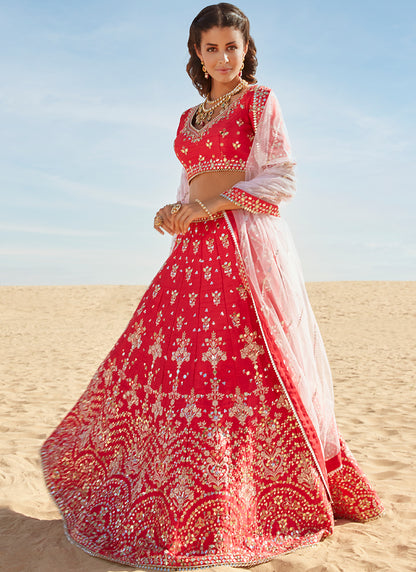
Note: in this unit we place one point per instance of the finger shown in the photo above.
(180, 222)
(184, 225)
(168, 228)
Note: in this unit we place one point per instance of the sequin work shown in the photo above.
(183, 450)
(225, 142)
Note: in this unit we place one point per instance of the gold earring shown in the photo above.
(240, 73)
(204, 69)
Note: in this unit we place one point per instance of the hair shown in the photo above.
(223, 15)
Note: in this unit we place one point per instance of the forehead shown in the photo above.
(221, 36)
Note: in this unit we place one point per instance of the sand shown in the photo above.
(53, 339)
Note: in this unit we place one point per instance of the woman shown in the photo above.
(207, 436)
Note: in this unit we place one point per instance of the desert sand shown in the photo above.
(54, 338)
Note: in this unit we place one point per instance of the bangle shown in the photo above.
(206, 209)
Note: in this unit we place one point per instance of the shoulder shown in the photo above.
(259, 95)
(184, 116)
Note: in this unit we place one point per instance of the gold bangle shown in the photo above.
(206, 209)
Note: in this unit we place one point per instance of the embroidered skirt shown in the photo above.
(184, 451)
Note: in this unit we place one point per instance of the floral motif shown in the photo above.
(227, 268)
(240, 409)
(216, 297)
(205, 323)
(210, 244)
(195, 246)
(214, 354)
(192, 298)
(155, 350)
(252, 349)
(156, 289)
(191, 410)
(236, 320)
(135, 338)
(181, 354)
(225, 240)
(242, 291)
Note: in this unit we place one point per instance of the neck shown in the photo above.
(220, 89)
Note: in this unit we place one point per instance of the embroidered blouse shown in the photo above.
(224, 144)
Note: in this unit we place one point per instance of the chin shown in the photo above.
(226, 78)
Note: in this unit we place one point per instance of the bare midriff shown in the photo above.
(210, 185)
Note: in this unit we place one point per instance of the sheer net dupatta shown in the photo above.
(275, 276)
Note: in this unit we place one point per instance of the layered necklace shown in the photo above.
(204, 115)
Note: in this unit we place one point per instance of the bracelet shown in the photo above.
(206, 209)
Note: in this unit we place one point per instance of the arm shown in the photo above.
(270, 175)
(179, 223)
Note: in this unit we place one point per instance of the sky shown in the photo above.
(90, 97)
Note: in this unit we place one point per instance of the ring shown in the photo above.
(158, 220)
(176, 207)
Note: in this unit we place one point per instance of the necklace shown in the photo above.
(204, 115)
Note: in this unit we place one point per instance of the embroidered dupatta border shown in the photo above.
(305, 424)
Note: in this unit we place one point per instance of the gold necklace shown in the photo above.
(204, 115)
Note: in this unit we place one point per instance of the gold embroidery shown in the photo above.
(135, 338)
(155, 350)
(207, 272)
(181, 354)
(216, 297)
(173, 296)
(240, 409)
(192, 298)
(214, 354)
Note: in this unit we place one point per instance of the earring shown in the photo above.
(240, 73)
(204, 69)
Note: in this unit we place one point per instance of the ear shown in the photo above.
(198, 52)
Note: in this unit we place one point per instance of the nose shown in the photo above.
(224, 58)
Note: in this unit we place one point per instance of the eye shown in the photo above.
(210, 49)
(232, 48)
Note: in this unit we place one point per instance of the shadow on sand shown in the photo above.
(28, 544)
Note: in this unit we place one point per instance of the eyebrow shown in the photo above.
(227, 44)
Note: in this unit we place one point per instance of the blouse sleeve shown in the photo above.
(269, 172)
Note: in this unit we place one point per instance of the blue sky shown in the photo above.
(90, 96)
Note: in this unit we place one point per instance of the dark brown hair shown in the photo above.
(223, 15)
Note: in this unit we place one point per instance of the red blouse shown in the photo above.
(224, 144)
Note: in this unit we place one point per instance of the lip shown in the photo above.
(224, 70)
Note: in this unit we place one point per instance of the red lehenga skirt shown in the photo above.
(184, 451)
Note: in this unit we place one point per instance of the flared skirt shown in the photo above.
(184, 450)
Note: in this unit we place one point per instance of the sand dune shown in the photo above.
(53, 339)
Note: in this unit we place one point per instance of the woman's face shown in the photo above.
(222, 50)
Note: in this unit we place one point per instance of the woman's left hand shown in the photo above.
(183, 217)
(163, 220)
